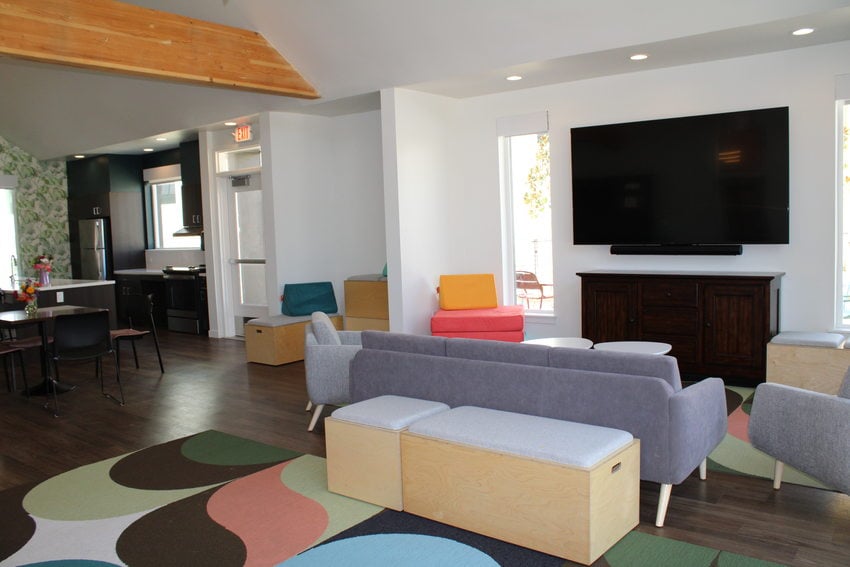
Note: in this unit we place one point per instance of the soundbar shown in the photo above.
(679, 250)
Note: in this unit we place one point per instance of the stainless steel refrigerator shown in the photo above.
(94, 249)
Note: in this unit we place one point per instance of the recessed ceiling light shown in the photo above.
(514, 78)
(147, 149)
(639, 57)
(161, 139)
(802, 31)
(230, 123)
(79, 156)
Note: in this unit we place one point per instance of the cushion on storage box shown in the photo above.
(305, 298)
(799, 338)
(389, 412)
(278, 321)
(468, 291)
(566, 442)
(503, 318)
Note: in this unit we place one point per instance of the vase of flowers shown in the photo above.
(29, 293)
(43, 265)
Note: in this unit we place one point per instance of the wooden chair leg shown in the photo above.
(703, 469)
(778, 469)
(663, 501)
(316, 414)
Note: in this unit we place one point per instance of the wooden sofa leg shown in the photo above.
(663, 501)
(316, 414)
(778, 469)
(309, 405)
(703, 469)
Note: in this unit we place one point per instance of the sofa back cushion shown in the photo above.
(659, 366)
(498, 351)
(323, 329)
(403, 342)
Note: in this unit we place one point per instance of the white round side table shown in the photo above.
(568, 342)
(638, 347)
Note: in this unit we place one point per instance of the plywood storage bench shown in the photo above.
(562, 488)
(813, 361)
(278, 339)
(363, 449)
(366, 303)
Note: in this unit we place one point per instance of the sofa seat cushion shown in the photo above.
(502, 318)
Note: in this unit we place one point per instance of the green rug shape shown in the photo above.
(217, 448)
(638, 549)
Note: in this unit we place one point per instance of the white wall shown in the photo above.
(448, 209)
(326, 212)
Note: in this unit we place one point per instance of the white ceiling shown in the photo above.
(349, 50)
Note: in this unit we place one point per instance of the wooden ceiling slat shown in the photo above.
(112, 36)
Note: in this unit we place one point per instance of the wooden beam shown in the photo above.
(112, 36)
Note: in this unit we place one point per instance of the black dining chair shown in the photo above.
(80, 337)
(8, 352)
(139, 311)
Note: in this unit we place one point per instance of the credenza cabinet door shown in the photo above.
(735, 333)
(609, 310)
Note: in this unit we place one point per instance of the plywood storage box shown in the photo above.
(363, 447)
(278, 339)
(366, 303)
(573, 512)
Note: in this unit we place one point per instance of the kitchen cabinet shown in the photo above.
(717, 323)
(110, 187)
(190, 172)
(142, 285)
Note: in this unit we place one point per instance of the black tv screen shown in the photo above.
(711, 179)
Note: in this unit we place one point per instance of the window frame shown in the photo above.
(535, 124)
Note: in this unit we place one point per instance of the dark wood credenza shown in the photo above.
(718, 323)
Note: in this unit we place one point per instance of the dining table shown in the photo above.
(19, 318)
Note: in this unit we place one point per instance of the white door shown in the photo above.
(248, 253)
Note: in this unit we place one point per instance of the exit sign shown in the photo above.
(243, 133)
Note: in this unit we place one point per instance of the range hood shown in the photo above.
(190, 231)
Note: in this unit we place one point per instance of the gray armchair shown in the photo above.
(327, 353)
(808, 430)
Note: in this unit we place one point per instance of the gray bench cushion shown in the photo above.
(565, 442)
(800, 338)
(389, 412)
(278, 320)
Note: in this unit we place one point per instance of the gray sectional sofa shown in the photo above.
(642, 394)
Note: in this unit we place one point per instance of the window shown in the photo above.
(165, 197)
(9, 242)
(527, 196)
(843, 312)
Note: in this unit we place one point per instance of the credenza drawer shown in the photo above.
(671, 292)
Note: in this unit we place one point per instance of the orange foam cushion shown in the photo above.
(503, 318)
(468, 291)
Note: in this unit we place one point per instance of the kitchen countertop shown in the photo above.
(138, 272)
(59, 284)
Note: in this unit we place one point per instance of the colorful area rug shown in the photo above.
(735, 454)
(216, 500)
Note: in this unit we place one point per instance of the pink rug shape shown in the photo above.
(274, 522)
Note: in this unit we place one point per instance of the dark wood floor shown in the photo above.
(208, 385)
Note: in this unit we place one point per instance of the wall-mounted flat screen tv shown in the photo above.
(697, 180)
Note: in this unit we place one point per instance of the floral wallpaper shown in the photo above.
(42, 209)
